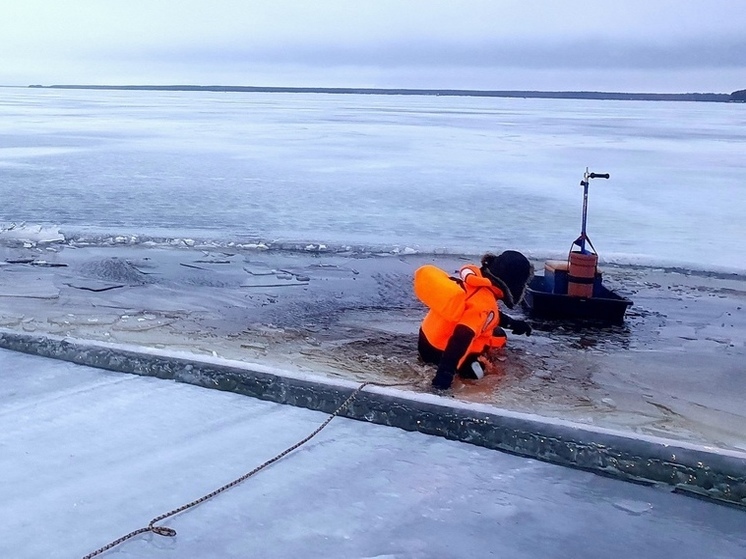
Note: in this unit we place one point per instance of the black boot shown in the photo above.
(443, 379)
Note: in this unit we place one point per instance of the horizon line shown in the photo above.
(703, 96)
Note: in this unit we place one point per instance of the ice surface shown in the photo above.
(89, 455)
(673, 371)
(34, 287)
(397, 175)
(456, 174)
(30, 234)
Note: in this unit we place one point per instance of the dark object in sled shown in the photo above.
(605, 306)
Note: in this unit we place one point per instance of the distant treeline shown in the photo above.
(710, 97)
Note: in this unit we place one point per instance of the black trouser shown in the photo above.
(448, 360)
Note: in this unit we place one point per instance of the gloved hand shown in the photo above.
(519, 327)
(443, 379)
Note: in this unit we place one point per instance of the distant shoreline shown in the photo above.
(706, 97)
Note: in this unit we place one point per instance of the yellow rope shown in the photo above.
(170, 532)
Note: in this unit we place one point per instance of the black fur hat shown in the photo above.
(511, 272)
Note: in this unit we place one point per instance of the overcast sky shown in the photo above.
(600, 45)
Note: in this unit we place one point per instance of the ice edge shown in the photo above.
(704, 471)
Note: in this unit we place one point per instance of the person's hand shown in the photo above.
(520, 327)
(442, 380)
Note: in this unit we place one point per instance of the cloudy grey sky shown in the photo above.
(601, 45)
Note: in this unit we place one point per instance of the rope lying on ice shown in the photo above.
(170, 532)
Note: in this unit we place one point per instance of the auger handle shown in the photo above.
(599, 175)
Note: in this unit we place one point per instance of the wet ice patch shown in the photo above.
(11, 319)
(80, 320)
(141, 322)
(115, 270)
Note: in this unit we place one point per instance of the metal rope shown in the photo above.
(166, 531)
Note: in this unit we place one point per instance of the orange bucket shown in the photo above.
(581, 274)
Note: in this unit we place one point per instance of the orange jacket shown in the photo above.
(481, 315)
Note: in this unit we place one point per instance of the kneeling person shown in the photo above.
(454, 342)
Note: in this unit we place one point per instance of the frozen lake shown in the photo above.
(435, 174)
(81, 456)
